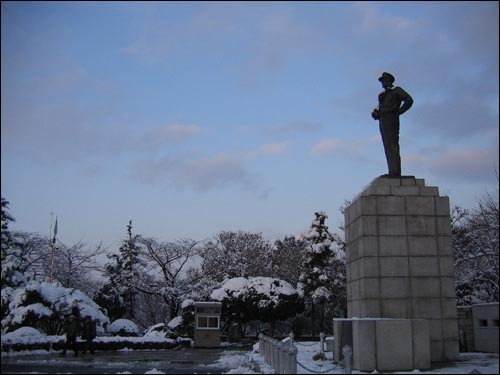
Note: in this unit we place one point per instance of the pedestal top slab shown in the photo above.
(398, 186)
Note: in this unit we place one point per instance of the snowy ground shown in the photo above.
(248, 362)
(252, 363)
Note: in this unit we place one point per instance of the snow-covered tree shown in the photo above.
(322, 282)
(44, 305)
(259, 298)
(35, 250)
(11, 257)
(236, 254)
(74, 263)
(287, 259)
(125, 271)
(167, 261)
(475, 238)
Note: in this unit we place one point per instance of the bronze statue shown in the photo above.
(388, 111)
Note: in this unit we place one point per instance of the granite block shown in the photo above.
(393, 245)
(393, 266)
(421, 225)
(442, 206)
(422, 245)
(394, 287)
(394, 345)
(424, 266)
(395, 308)
(390, 205)
(426, 308)
(392, 225)
(425, 287)
(419, 205)
(364, 351)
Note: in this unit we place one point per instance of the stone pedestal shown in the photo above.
(384, 344)
(400, 260)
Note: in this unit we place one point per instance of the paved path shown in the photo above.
(184, 361)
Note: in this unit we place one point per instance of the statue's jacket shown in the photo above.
(390, 102)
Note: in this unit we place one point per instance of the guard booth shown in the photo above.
(207, 324)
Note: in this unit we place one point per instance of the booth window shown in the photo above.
(208, 322)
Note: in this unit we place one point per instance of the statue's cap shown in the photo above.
(386, 75)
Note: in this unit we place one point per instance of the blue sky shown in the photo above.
(194, 117)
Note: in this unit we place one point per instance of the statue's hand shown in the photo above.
(375, 114)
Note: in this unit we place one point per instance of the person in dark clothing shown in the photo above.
(393, 102)
(88, 334)
(72, 327)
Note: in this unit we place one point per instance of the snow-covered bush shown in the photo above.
(45, 305)
(22, 332)
(123, 327)
(258, 298)
(160, 330)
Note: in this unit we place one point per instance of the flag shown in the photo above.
(55, 232)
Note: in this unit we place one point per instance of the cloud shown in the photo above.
(217, 171)
(371, 20)
(157, 136)
(268, 149)
(462, 114)
(203, 174)
(279, 34)
(471, 164)
(331, 146)
(295, 127)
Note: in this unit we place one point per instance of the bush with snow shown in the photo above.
(22, 332)
(45, 305)
(175, 323)
(259, 298)
(123, 327)
(160, 330)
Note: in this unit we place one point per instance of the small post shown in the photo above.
(322, 344)
(291, 339)
(266, 350)
(276, 356)
(292, 360)
(261, 343)
(347, 352)
(281, 357)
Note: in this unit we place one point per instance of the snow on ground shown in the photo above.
(250, 362)
(253, 363)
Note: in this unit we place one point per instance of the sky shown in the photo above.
(190, 118)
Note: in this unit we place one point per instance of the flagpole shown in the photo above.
(52, 250)
(50, 242)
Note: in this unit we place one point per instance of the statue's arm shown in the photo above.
(406, 99)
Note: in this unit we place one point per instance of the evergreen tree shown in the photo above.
(10, 256)
(322, 281)
(123, 271)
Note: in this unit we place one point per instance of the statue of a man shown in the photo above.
(392, 102)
